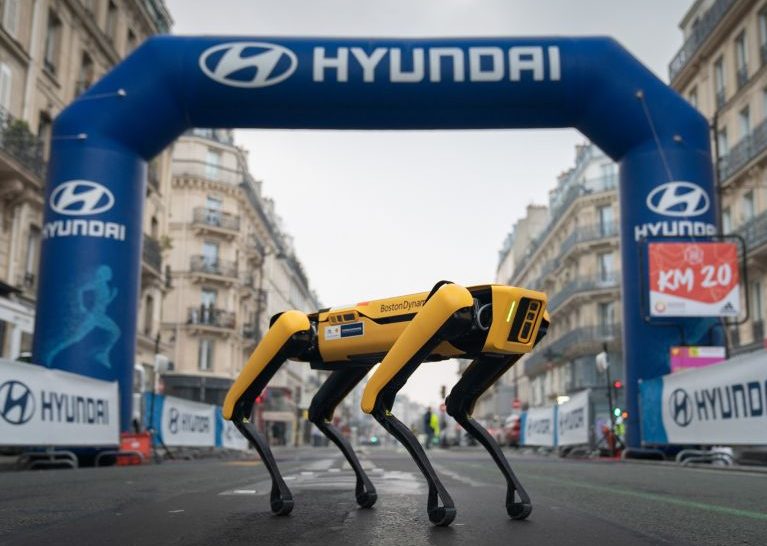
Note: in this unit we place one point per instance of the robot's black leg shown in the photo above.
(438, 515)
(332, 391)
(446, 314)
(477, 378)
(281, 499)
(289, 336)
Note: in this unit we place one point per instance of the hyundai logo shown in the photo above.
(678, 199)
(81, 198)
(17, 405)
(680, 407)
(248, 64)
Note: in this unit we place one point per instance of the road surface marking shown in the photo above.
(695, 505)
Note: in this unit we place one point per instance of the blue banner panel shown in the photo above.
(650, 402)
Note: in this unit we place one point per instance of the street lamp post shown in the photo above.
(603, 365)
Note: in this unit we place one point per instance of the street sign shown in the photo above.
(696, 279)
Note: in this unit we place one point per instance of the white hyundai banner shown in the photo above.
(573, 420)
(721, 404)
(186, 423)
(44, 407)
(539, 427)
(231, 438)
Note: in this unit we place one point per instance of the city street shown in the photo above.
(226, 502)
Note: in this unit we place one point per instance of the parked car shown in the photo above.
(511, 430)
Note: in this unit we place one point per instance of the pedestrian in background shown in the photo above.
(434, 422)
(427, 428)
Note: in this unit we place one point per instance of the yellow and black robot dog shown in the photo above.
(495, 325)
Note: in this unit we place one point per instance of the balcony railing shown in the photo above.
(152, 253)
(587, 234)
(574, 343)
(18, 141)
(744, 151)
(602, 282)
(208, 315)
(251, 332)
(222, 268)
(215, 218)
(754, 232)
(587, 187)
(698, 36)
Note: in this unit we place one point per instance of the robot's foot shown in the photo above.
(367, 499)
(442, 516)
(519, 510)
(282, 506)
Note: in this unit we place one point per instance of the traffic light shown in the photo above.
(259, 399)
(625, 415)
(443, 392)
(617, 412)
(617, 384)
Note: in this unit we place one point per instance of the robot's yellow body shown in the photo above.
(492, 324)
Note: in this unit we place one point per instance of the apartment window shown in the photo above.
(210, 253)
(6, 84)
(744, 119)
(749, 210)
(757, 303)
(33, 253)
(154, 227)
(44, 130)
(11, 16)
(205, 355)
(52, 42)
(606, 220)
(212, 163)
(722, 143)
(208, 297)
(111, 26)
(692, 97)
(605, 266)
(726, 220)
(719, 88)
(741, 59)
(606, 314)
(85, 78)
(148, 315)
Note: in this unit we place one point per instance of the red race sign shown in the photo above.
(694, 280)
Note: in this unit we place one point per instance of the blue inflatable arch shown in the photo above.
(89, 276)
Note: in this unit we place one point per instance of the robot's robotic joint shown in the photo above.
(495, 325)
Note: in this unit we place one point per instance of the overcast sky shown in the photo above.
(417, 207)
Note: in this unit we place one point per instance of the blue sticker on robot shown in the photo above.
(353, 329)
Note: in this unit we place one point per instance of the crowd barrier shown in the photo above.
(44, 407)
(566, 424)
(183, 423)
(722, 404)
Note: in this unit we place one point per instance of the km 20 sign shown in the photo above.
(696, 279)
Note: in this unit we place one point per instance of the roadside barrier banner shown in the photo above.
(573, 419)
(44, 407)
(187, 423)
(721, 404)
(538, 427)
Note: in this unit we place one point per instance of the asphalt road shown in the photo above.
(226, 502)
